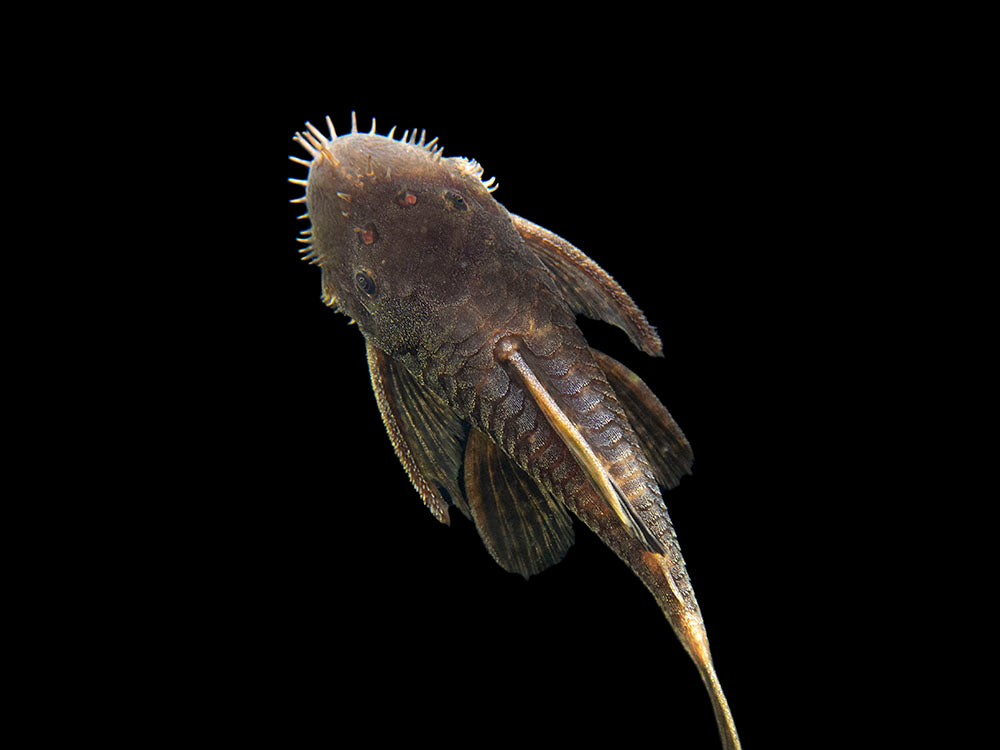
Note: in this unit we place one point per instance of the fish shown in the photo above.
(492, 398)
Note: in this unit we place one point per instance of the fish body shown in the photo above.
(492, 398)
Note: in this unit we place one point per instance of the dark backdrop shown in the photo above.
(300, 567)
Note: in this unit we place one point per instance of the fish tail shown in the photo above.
(723, 716)
(684, 615)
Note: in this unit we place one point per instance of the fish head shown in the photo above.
(400, 232)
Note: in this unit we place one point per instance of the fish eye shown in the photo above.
(454, 201)
(365, 283)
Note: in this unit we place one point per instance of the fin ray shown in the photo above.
(584, 453)
(523, 526)
(668, 451)
(587, 287)
(428, 437)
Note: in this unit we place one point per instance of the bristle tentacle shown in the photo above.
(299, 139)
(315, 131)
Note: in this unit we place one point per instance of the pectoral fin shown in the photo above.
(585, 455)
(428, 437)
(587, 287)
(522, 526)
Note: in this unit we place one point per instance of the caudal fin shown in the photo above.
(684, 615)
(723, 716)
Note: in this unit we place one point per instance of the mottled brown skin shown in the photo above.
(487, 387)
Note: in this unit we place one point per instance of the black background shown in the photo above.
(297, 578)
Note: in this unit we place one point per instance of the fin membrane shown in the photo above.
(587, 287)
(428, 437)
(664, 444)
(524, 528)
